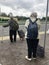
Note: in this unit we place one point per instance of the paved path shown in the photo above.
(14, 54)
(7, 37)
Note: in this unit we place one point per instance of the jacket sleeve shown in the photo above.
(39, 24)
(7, 24)
(26, 24)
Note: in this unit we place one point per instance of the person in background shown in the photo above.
(31, 42)
(13, 28)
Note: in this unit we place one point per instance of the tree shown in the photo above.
(4, 14)
(10, 14)
(43, 18)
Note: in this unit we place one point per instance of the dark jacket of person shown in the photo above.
(10, 24)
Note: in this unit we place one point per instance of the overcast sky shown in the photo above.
(23, 7)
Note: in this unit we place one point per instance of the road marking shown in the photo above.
(41, 33)
(7, 37)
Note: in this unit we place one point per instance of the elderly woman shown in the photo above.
(32, 43)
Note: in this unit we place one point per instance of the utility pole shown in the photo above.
(0, 11)
(45, 27)
(2, 28)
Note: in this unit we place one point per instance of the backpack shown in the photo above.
(32, 30)
(14, 25)
(40, 51)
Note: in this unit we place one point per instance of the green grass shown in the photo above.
(19, 22)
(43, 22)
(22, 22)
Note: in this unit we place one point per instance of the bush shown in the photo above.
(3, 20)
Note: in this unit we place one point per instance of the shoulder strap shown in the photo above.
(31, 20)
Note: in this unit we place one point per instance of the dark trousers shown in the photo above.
(12, 33)
(32, 47)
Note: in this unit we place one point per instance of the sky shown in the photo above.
(24, 7)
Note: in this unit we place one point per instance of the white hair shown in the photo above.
(34, 14)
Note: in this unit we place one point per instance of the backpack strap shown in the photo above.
(31, 20)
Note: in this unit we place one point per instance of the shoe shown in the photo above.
(26, 57)
(11, 41)
(34, 58)
(14, 40)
